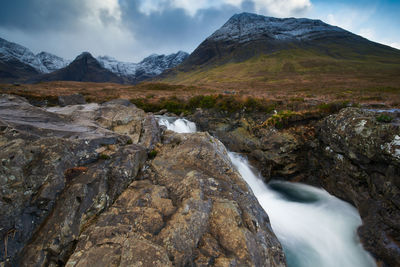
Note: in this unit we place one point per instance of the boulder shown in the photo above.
(191, 207)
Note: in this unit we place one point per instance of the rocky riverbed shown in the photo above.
(105, 185)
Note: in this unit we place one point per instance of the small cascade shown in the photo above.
(177, 125)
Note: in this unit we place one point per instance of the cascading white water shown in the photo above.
(315, 228)
(177, 125)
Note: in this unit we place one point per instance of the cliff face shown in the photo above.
(359, 161)
(78, 189)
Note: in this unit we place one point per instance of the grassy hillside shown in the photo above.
(329, 67)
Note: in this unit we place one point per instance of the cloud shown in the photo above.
(269, 7)
(67, 28)
(367, 33)
(395, 45)
(172, 29)
(129, 30)
(190, 7)
(282, 8)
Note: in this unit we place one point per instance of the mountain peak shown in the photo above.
(245, 27)
(84, 55)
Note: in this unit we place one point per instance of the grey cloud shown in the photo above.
(41, 15)
(174, 27)
(57, 26)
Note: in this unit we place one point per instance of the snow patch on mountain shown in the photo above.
(52, 62)
(246, 27)
(150, 66)
(120, 68)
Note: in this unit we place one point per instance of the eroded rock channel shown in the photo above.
(352, 154)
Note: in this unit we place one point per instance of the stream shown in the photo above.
(315, 228)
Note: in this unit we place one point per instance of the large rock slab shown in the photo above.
(192, 208)
(68, 155)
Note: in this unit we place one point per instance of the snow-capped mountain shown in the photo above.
(52, 62)
(12, 51)
(247, 35)
(43, 62)
(151, 66)
(84, 68)
(271, 47)
(246, 27)
(18, 63)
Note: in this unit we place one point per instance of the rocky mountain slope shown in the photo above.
(265, 50)
(102, 185)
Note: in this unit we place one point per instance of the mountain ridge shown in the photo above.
(149, 67)
(19, 64)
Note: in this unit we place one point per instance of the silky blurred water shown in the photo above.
(314, 227)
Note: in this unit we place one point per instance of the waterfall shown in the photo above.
(315, 228)
(177, 125)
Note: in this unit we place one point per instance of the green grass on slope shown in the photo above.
(297, 62)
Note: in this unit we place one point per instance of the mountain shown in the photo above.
(255, 48)
(11, 51)
(18, 63)
(85, 68)
(149, 67)
(52, 62)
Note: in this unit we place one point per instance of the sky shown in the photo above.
(130, 30)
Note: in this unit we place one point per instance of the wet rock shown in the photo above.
(118, 116)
